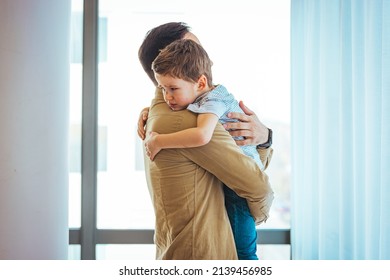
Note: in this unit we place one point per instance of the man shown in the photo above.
(185, 184)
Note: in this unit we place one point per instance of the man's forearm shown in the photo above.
(223, 158)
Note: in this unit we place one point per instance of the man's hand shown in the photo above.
(143, 116)
(249, 126)
(151, 146)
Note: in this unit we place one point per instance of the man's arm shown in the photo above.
(252, 129)
(223, 158)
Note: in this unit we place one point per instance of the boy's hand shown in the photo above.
(151, 145)
(143, 117)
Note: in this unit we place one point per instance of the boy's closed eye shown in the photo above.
(171, 89)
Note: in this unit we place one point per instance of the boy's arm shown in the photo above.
(187, 138)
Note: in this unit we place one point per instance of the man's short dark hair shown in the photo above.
(156, 39)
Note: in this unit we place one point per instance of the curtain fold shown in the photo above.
(340, 86)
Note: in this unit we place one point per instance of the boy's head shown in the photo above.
(157, 39)
(183, 72)
(184, 59)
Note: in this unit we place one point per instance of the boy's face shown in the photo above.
(178, 93)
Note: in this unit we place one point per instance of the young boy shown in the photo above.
(183, 72)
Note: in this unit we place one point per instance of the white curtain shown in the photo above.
(340, 129)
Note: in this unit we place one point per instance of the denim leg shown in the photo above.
(243, 225)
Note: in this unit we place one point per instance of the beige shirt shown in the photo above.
(186, 189)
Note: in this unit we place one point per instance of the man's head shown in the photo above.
(157, 39)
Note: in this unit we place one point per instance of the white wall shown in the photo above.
(34, 82)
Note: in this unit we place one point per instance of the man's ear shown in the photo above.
(202, 82)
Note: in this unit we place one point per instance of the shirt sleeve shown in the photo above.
(208, 105)
(223, 158)
(265, 156)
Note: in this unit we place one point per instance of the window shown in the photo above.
(75, 98)
(75, 94)
(248, 42)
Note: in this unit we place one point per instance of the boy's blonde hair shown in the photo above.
(184, 59)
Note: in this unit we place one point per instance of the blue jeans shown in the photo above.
(242, 223)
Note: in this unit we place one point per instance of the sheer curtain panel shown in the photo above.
(340, 129)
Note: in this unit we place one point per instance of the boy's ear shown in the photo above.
(202, 82)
